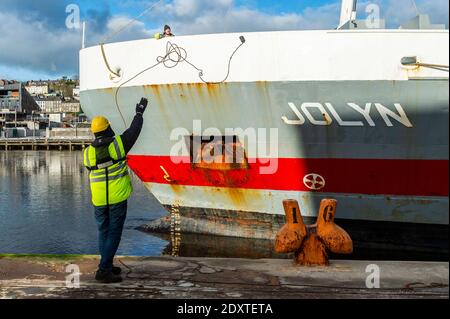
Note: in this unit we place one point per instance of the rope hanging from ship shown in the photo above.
(135, 19)
(439, 67)
(173, 57)
(109, 37)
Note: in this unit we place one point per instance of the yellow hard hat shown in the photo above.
(99, 124)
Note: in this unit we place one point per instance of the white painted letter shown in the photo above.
(339, 120)
(385, 112)
(301, 119)
(327, 119)
(365, 112)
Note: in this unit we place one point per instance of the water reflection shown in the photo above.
(196, 245)
(45, 207)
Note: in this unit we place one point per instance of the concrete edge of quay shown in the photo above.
(56, 276)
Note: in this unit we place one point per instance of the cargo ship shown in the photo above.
(239, 122)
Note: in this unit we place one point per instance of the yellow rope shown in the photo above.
(430, 65)
(106, 60)
(439, 67)
(119, 31)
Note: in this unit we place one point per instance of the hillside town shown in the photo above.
(37, 109)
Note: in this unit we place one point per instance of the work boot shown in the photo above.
(116, 270)
(107, 277)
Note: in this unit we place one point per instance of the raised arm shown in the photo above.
(130, 136)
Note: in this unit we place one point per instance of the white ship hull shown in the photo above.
(344, 108)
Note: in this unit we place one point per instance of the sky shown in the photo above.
(37, 43)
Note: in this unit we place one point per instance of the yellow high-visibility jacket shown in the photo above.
(109, 177)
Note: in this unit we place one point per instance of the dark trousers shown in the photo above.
(110, 221)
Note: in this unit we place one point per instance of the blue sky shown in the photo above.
(36, 43)
(270, 6)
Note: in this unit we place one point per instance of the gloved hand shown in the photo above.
(141, 106)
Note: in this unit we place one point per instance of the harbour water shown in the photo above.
(45, 208)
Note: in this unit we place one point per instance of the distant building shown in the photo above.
(57, 105)
(72, 106)
(76, 93)
(15, 99)
(37, 88)
(56, 117)
(15, 104)
(48, 103)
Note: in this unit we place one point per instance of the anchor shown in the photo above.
(311, 242)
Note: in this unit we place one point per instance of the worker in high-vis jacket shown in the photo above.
(111, 186)
(166, 34)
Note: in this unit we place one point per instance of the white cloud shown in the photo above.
(134, 31)
(202, 16)
(32, 45)
(41, 49)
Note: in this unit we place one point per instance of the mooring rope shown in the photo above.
(173, 57)
(174, 54)
(106, 61)
(135, 19)
(440, 67)
(109, 37)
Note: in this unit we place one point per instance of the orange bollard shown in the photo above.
(334, 237)
(291, 235)
(312, 252)
(310, 243)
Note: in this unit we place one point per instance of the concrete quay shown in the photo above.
(31, 277)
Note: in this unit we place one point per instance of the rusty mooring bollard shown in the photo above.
(310, 243)
(291, 235)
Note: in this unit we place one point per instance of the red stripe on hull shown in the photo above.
(355, 176)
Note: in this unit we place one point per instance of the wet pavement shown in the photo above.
(198, 278)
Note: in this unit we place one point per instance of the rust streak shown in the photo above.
(327, 119)
(213, 89)
(109, 90)
(155, 90)
(237, 196)
(176, 189)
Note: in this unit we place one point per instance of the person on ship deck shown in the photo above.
(166, 34)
